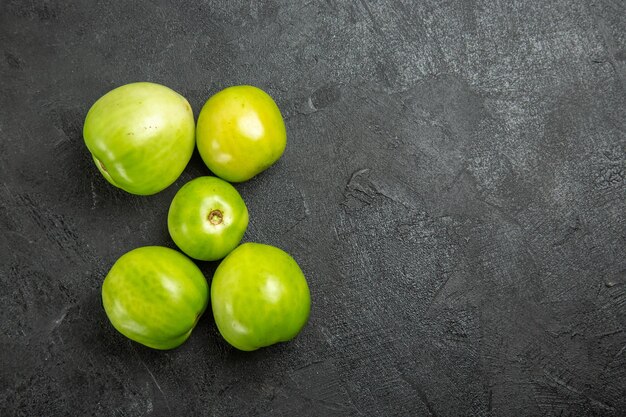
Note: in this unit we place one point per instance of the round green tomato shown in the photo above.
(207, 218)
(155, 296)
(141, 136)
(240, 133)
(259, 297)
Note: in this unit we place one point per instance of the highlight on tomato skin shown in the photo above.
(141, 136)
(240, 133)
(207, 218)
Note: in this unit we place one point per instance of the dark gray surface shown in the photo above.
(453, 188)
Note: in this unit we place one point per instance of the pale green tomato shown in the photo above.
(259, 297)
(155, 296)
(141, 136)
(240, 133)
(207, 218)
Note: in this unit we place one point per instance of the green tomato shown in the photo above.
(141, 136)
(155, 296)
(259, 297)
(207, 218)
(240, 133)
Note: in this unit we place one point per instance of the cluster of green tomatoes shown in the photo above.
(141, 137)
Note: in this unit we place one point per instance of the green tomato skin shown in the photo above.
(141, 136)
(207, 218)
(259, 297)
(155, 296)
(240, 133)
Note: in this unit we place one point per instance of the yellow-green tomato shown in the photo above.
(141, 136)
(207, 218)
(155, 296)
(259, 297)
(240, 133)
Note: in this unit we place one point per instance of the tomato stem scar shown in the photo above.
(215, 217)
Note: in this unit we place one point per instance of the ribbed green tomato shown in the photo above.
(141, 136)
(240, 133)
(259, 297)
(155, 296)
(207, 218)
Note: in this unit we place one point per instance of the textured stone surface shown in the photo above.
(453, 188)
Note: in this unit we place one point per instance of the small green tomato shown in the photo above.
(141, 136)
(240, 133)
(207, 218)
(155, 296)
(259, 297)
